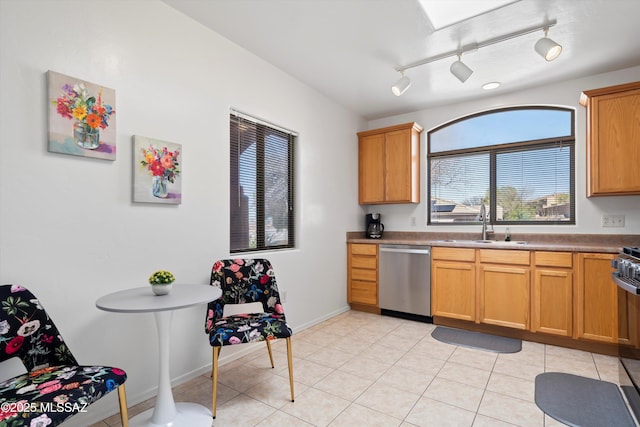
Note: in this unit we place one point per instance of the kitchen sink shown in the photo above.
(512, 242)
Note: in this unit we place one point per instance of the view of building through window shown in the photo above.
(518, 162)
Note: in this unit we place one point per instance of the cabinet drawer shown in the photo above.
(364, 249)
(497, 256)
(369, 262)
(364, 292)
(554, 259)
(454, 254)
(364, 274)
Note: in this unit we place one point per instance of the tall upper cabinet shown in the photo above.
(389, 165)
(613, 139)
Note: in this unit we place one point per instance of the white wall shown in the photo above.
(68, 228)
(567, 94)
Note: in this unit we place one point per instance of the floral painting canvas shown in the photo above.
(82, 117)
(157, 173)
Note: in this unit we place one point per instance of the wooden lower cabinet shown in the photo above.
(453, 283)
(504, 287)
(552, 296)
(362, 275)
(597, 306)
(628, 332)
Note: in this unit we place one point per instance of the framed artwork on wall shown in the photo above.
(157, 174)
(82, 119)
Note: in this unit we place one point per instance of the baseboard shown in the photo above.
(539, 337)
(308, 325)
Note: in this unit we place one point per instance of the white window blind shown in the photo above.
(518, 162)
(261, 185)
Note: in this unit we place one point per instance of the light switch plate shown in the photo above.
(612, 220)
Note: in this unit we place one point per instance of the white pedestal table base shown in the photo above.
(188, 415)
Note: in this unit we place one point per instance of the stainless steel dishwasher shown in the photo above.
(405, 281)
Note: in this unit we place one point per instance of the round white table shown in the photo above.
(166, 412)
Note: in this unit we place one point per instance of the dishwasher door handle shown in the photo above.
(405, 251)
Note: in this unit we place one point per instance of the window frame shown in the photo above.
(263, 130)
(493, 151)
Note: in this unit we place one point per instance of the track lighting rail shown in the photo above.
(472, 47)
(545, 47)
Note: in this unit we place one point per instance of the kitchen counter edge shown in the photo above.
(600, 243)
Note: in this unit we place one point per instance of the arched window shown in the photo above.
(518, 162)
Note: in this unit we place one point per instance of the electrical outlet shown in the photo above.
(283, 296)
(613, 220)
(413, 221)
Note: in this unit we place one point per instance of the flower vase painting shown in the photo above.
(82, 117)
(157, 175)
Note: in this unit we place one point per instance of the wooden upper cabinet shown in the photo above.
(371, 158)
(613, 139)
(389, 165)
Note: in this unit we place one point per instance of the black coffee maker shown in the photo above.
(373, 227)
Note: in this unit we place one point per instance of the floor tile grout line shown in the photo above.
(394, 331)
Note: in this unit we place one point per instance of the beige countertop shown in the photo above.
(603, 243)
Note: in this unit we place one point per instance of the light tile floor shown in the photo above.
(360, 369)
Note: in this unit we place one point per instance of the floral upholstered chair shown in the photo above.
(246, 281)
(55, 387)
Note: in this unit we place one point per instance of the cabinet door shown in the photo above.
(553, 301)
(371, 168)
(399, 167)
(504, 296)
(453, 290)
(389, 164)
(364, 292)
(614, 143)
(628, 318)
(597, 302)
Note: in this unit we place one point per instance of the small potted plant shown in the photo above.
(161, 282)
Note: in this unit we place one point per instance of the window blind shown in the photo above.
(519, 163)
(261, 185)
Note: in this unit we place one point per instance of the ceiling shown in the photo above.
(349, 49)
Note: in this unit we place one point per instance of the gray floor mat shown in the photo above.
(477, 340)
(580, 401)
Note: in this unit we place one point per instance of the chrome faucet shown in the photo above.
(483, 218)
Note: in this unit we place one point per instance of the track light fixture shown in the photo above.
(401, 85)
(546, 47)
(460, 70)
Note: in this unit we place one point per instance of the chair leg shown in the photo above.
(214, 379)
(269, 350)
(122, 401)
(290, 362)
